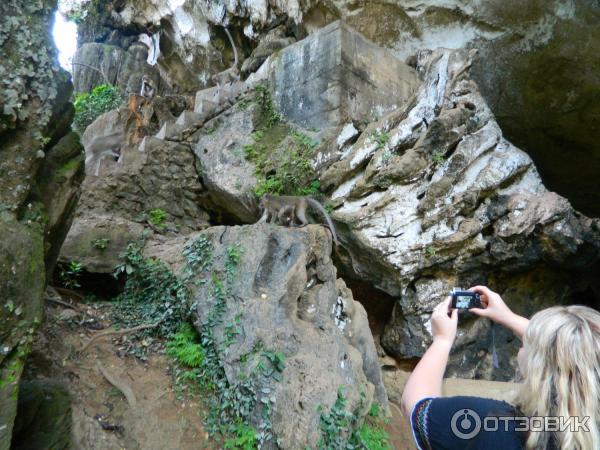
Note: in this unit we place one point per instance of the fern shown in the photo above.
(183, 347)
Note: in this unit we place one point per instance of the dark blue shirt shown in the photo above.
(460, 423)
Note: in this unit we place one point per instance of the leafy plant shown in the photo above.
(69, 274)
(90, 105)
(430, 252)
(157, 218)
(335, 424)
(381, 138)
(245, 438)
(100, 244)
(264, 100)
(438, 157)
(371, 438)
(152, 293)
(183, 347)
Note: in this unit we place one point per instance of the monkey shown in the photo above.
(288, 208)
(232, 74)
(147, 89)
(286, 215)
(102, 146)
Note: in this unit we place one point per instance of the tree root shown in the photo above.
(66, 291)
(119, 384)
(123, 331)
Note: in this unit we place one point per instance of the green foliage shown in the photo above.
(337, 427)
(430, 252)
(245, 438)
(374, 410)
(243, 104)
(283, 170)
(90, 105)
(152, 293)
(157, 218)
(69, 273)
(370, 437)
(335, 424)
(184, 348)
(100, 244)
(438, 157)
(76, 16)
(280, 169)
(30, 76)
(264, 100)
(381, 138)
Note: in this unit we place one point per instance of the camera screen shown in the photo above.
(463, 301)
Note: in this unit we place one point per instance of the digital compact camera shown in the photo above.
(462, 299)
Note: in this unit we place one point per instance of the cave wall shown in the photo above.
(41, 168)
(537, 68)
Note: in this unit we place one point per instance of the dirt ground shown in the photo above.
(163, 416)
(102, 417)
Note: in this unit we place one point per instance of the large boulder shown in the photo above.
(36, 159)
(262, 290)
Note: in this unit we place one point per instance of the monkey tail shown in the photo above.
(318, 206)
(235, 55)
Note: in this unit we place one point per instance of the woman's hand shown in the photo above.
(443, 327)
(496, 310)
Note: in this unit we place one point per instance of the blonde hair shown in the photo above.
(561, 374)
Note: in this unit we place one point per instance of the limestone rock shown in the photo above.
(283, 294)
(335, 76)
(44, 416)
(35, 116)
(273, 41)
(97, 240)
(433, 196)
(226, 174)
(154, 175)
(95, 64)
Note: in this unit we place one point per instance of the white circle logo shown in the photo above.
(465, 424)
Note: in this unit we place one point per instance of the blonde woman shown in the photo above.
(557, 405)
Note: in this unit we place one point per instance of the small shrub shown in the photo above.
(100, 244)
(69, 274)
(371, 438)
(157, 218)
(183, 347)
(90, 105)
(381, 138)
(245, 438)
(437, 157)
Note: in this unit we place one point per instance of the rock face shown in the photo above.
(336, 76)
(41, 167)
(429, 197)
(44, 416)
(95, 64)
(536, 69)
(444, 200)
(152, 175)
(274, 289)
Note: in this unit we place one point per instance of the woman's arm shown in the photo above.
(496, 310)
(426, 378)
